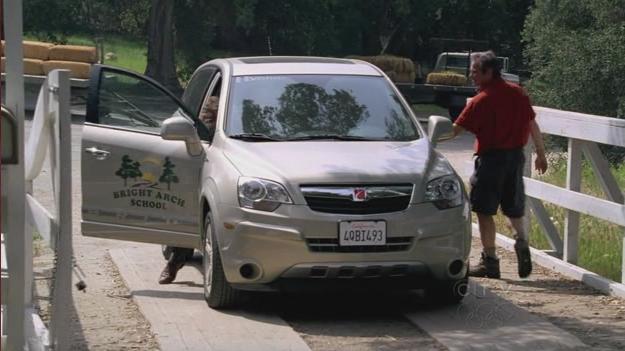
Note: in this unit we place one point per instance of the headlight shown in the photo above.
(444, 192)
(261, 194)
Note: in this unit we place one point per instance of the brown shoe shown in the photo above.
(168, 275)
(488, 267)
(524, 258)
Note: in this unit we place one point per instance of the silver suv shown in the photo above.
(314, 174)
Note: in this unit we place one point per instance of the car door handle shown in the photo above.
(97, 153)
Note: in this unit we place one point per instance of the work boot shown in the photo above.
(488, 267)
(168, 275)
(524, 259)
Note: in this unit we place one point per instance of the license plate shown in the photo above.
(362, 233)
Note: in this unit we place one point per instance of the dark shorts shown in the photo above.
(498, 181)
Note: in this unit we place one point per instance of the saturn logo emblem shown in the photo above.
(359, 195)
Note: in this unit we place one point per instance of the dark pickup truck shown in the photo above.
(451, 97)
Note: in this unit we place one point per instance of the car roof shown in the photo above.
(263, 65)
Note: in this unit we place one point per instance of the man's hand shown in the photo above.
(456, 130)
(541, 163)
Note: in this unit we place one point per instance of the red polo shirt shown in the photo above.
(499, 116)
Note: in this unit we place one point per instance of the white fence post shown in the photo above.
(20, 251)
(573, 183)
(59, 332)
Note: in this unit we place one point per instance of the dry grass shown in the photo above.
(398, 69)
(447, 78)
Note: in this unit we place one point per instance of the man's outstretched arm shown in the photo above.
(537, 137)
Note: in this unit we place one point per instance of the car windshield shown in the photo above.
(305, 107)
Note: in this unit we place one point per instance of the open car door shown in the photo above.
(137, 186)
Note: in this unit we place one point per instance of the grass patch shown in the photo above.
(129, 53)
(601, 242)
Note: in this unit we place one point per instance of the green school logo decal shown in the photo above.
(146, 191)
(168, 176)
(129, 169)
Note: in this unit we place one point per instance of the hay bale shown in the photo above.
(399, 69)
(32, 67)
(447, 78)
(405, 77)
(74, 53)
(78, 69)
(36, 49)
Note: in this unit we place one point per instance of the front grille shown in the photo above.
(342, 206)
(339, 199)
(401, 243)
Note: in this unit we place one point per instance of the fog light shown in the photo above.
(455, 267)
(248, 271)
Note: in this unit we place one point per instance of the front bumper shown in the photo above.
(275, 244)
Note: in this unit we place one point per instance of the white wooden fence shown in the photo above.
(584, 132)
(50, 133)
(22, 328)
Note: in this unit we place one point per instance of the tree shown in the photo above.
(195, 33)
(129, 169)
(161, 63)
(575, 50)
(168, 176)
(136, 170)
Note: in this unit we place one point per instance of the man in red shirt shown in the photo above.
(502, 119)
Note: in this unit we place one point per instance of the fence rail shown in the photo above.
(584, 132)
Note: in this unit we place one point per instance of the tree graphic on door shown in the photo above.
(129, 169)
(168, 176)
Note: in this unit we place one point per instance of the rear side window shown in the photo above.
(196, 89)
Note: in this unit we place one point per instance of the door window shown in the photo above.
(132, 102)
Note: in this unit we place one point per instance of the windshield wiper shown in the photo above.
(334, 137)
(254, 136)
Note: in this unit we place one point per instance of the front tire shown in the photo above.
(218, 293)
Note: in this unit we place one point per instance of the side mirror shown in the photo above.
(180, 128)
(439, 128)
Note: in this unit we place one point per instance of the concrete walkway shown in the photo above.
(181, 320)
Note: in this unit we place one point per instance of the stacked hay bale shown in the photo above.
(77, 59)
(34, 54)
(398, 69)
(447, 78)
(41, 58)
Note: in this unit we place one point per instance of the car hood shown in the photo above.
(337, 162)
